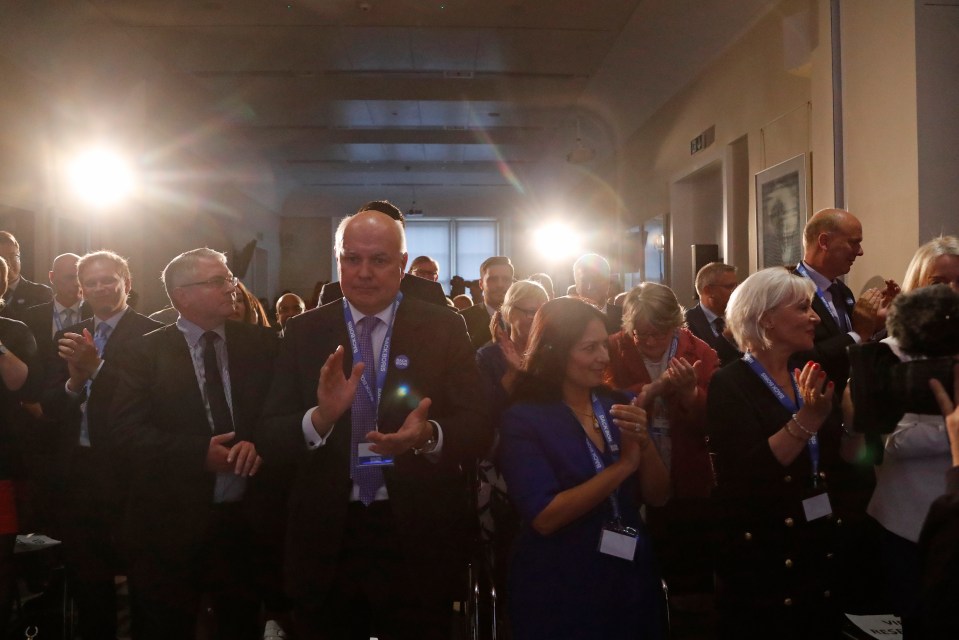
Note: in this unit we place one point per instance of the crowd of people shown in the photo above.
(331, 471)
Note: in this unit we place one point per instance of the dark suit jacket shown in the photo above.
(939, 550)
(428, 499)
(830, 345)
(159, 424)
(39, 318)
(59, 406)
(28, 294)
(477, 323)
(410, 285)
(700, 327)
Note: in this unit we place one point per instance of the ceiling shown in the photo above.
(411, 97)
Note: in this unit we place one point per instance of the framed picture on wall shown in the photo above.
(781, 212)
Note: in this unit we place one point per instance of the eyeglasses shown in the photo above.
(652, 335)
(216, 282)
(529, 313)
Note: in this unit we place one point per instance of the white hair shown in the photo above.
(757, 295)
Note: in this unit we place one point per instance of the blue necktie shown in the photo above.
(100, 336)
(363, 414)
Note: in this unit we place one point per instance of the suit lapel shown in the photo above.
(828, 322)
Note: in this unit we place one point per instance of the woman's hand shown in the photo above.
(514, 359)
(816, 396)
(680, 379)
(634, 436)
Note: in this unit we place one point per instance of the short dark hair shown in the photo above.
(495, 261)
(385, 207)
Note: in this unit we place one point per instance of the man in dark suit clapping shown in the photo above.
(80, 387)
(375, 549)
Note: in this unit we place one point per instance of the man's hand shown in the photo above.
(81, 355)
(414, 432)
(334, 392)
(865, 315)
(218, 454)
(244, 458)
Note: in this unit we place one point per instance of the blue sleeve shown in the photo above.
(530, 478)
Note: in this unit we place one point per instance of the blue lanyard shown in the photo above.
(384, 352)
(790, 406)
(598, 465)
(673, 347)
(830, 307)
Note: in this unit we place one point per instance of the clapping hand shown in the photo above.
(816, 395)
(680, 379)
(334, 391)
(414, 431)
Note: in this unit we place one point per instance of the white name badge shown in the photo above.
(366, 457)
(817, 507)
(617, 544)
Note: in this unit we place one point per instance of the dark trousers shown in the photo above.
(89, 550)
(167, 588)
(375, 591)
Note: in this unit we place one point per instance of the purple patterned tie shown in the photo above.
(363, 414)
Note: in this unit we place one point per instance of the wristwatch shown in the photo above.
(430, 444)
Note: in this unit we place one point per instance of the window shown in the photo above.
(460, 246)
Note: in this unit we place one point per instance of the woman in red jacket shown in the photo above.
(656, 353)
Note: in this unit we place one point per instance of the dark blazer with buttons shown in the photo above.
(60, 406)
(698, 324)
(428, 499)
(761, 500)
(158, 425)
(26, 295)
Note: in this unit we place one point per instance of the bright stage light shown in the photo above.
(101, 177)
(556, 241)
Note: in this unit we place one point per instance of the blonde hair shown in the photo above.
(917, 273)
(521, 290)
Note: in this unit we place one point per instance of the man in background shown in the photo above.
(21, 293)
(496, 276)
(715, 282)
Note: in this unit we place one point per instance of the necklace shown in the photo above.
(589, 416)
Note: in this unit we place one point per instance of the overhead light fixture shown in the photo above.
(581, 154)
(101, 177)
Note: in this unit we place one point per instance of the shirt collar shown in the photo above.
(112, 320)
(386, 315)
(58, 308)
(490, 310)
(193, 333)
(818, 279)
(710, 316)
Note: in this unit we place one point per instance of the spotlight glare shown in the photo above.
(101, 177)
(557, 241)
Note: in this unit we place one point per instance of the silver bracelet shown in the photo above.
(802, 428)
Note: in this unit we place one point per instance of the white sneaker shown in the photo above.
(273, 631)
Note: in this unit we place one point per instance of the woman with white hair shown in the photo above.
(776, 562)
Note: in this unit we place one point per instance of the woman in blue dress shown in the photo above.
(577, 457)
